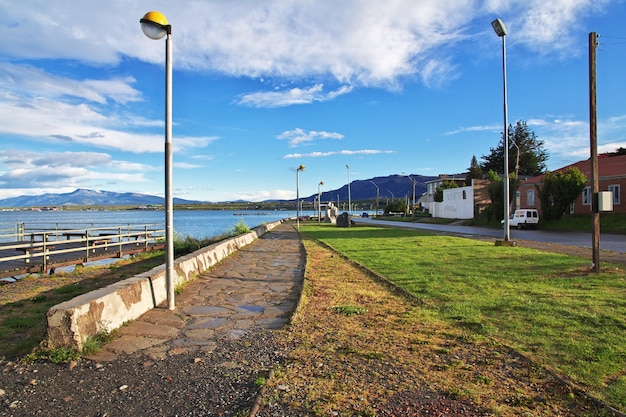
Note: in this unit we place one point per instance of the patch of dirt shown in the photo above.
(394, 359)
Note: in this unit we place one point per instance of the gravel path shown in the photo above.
(220, 383)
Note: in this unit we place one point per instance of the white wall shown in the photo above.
(458, 203)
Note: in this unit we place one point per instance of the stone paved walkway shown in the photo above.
(258, 287)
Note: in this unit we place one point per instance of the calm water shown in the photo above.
(194, 223)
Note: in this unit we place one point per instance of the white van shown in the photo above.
(523, 218)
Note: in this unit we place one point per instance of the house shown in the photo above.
(428, 199)
(611, 176)
(463, 202)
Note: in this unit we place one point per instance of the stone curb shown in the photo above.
(72, 322)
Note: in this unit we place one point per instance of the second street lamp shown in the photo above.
(319, 202)
(377, 195)
(349, 197)
(300, 168)
(155, 26)
(500, 29)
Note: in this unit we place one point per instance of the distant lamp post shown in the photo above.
(319, 202)
(155, 26)
(413, 195)
(377, 195)
(500, 30)
(300, 168)
(349, 197)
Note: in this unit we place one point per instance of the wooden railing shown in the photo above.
(94, 242)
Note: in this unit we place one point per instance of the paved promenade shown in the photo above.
(256, 288)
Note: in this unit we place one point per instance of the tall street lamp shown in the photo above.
(349, 197)
(319, 202)
(413, 202)
(377, 195)
(500, 30)
(300, 168)
(155, 26)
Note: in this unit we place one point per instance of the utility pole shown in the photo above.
(593, 142)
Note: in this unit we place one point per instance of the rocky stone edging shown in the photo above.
(72, 322)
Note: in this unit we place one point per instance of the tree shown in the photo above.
(618, 151)
(398, 206)
(495, 189)
(474, 171)
(559, 190)
(532, 156)
(444, 186)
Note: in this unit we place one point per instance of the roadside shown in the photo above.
(355, 348)
(358, 348)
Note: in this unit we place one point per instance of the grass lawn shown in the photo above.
(546, 305)
(24, 304)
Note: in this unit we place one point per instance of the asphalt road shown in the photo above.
(608, 241)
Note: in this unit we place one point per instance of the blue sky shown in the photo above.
(261, 87)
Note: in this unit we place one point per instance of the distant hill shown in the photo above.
(396, 186)
(83, 197)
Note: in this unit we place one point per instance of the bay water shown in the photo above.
(194, 223)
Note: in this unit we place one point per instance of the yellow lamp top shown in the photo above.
(156, 17)
(154, 25)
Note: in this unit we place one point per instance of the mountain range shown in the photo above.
(394, 186)
(84, 197)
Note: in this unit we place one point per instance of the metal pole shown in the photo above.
(298, 199)
(319, 202)
(169, 205)
(377, 195)
(507, 231)
(349, 197)
(593, 139)
(413, 206)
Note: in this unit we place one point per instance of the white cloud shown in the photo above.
(356, 42)
(569, 139)
(486, 128)
(299, 136)
(296, 95)
(41, 119)
(546, 26)
(61, 170)
(30, 80)
(344, 152)
(263, 195)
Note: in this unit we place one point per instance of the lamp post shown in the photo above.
(155, 26)
(349, 198)
(319, 202)
(413, 195)
(377, 195)
(500, 29)
(300, 168)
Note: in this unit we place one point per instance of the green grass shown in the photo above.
(609, 223)
(547, 305)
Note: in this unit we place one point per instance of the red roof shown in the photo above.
(608, 166)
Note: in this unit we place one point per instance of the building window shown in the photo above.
(571, 208)
(615, 189)
(464, 195)
(587, 196)
(530, 197)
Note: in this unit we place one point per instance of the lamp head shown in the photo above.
(301, 168)
(499, 27)
(154, 25)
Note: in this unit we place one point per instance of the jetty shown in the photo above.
(25, 251)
